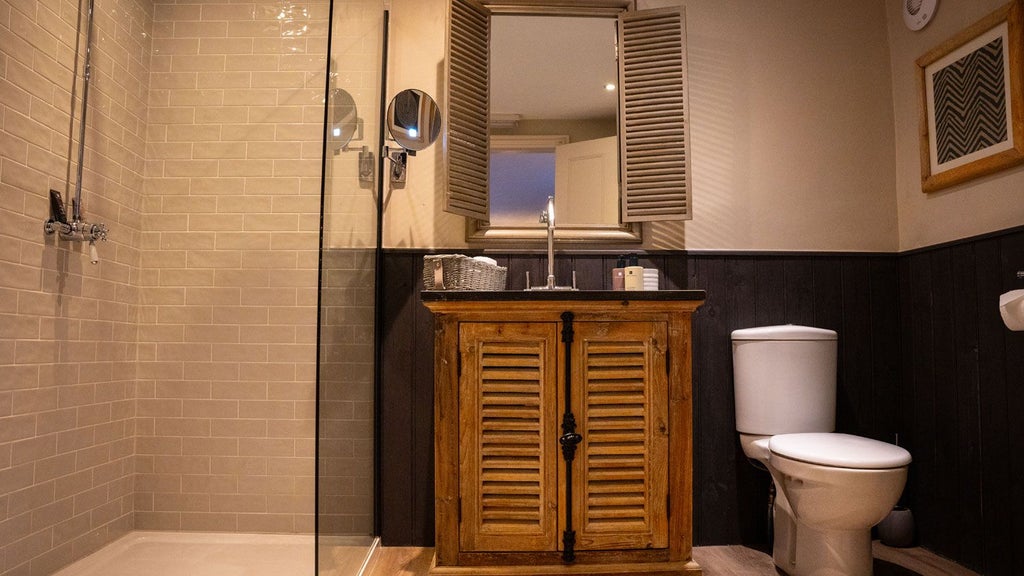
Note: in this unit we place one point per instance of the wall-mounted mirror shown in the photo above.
(530, 72)
(344, 120)
(414, 120)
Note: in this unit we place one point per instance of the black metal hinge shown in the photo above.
(567, 331)
(568, 440)
(569, 545)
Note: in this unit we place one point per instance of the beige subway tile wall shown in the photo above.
(346, 393)
(172, 385)
(227, 334)
(68, 327)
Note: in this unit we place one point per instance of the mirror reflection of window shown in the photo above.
(551, 74)
(587, 182)
(521, 181)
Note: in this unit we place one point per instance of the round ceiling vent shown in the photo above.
(917, 13)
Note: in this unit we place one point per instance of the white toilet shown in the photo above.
(830, 488)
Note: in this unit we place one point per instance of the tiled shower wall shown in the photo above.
(67, 327)
(346, 503)
(227, 335)
(172, 384)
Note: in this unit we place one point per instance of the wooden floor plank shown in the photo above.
(714, 560)
(400, 561)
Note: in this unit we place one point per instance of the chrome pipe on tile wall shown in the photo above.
(76, 229)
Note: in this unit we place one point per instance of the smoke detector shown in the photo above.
(917, 13)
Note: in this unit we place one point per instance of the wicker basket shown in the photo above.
(458, 272)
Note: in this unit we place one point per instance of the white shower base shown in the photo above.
(224, 554)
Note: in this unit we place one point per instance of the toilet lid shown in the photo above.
(784, 332)
(839, 450)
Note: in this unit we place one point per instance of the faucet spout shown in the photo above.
(548, 216)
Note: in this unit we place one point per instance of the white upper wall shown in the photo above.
(793, 108)
(975, 207)
(792, 126)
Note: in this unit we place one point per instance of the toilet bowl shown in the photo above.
(837, 490)
(831, 487)
(831, 490)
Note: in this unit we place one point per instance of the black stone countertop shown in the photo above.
(548, 295)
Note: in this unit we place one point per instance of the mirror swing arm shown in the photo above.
(399, 159)
(344, 126)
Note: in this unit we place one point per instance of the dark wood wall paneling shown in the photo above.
(923, 355)
(405, 407)
(962, 387)
(851, 294)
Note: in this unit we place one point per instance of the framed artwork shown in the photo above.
(972, 109)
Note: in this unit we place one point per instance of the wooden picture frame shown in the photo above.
(972, 107)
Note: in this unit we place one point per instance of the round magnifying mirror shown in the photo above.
(343, 118)
(414, 119)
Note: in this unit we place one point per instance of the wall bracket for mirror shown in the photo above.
(365, 165)
(414, 123)
(399, 158)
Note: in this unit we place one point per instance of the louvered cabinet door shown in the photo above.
(620, 398)
(508, 448)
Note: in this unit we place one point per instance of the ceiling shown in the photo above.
(552, 66)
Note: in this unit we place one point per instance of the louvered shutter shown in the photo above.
(621, 399)
(654, 119)
(467, 114)
(508, 451)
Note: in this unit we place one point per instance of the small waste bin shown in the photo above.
(897, 529)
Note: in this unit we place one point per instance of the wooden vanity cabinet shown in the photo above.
(562, 436)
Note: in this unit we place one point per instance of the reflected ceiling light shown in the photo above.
(609, 87)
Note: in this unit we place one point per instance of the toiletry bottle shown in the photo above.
(619, 274)
(634, 274)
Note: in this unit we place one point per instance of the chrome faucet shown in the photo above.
(548, 217)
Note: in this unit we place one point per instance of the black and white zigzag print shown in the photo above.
(970, 103)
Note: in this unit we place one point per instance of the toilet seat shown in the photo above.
(839, 450)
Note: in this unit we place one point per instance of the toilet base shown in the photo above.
(805, 551)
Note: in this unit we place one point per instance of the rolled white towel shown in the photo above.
(490, 261)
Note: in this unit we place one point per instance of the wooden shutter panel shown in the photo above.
(654, 119)
(468, 109)
(508, 452)
(622, 411)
